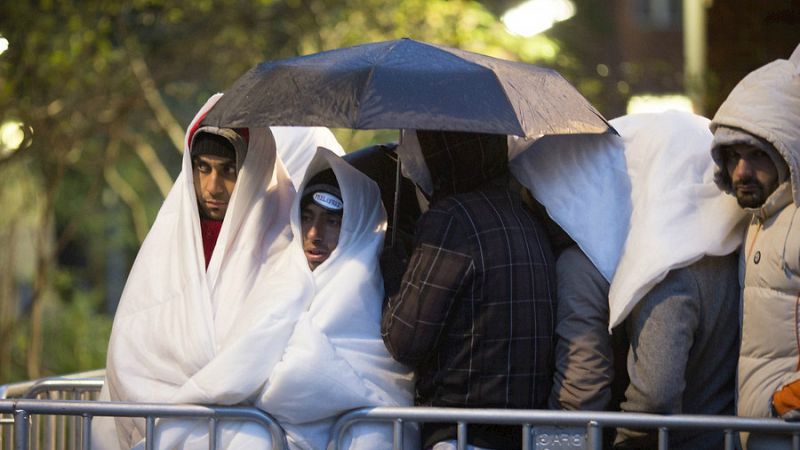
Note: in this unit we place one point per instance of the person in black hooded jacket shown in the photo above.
(474, 314)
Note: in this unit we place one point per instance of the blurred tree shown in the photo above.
(105, 89)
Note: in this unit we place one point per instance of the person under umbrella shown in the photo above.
(332, 358)
(183, 320)
(474, 313)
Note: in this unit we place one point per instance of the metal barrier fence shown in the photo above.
(52, 432)
(23, 410)
(83, 385)
(545, 430)
(66, 424)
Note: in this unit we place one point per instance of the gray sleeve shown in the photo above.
(661, 328)
(583, 352)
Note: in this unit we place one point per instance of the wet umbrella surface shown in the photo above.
(407, 84)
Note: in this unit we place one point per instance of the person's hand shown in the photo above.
(786, 401)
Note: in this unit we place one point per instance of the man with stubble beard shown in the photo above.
(757, 151)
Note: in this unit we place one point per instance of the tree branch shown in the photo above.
(155, 167)
(152, 96)
(129, 196)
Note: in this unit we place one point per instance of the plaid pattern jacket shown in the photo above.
(475, 311)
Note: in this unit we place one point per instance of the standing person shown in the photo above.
(757, 150)
(177, 330)
(672, 280)
(474, 314)
(682, 351)
(334, 359)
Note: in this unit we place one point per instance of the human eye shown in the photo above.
(229, 169)
(335, 221)
(202, 166)
(760, 154)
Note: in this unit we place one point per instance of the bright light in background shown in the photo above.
(3, 45)
(535, 16)
(659, 103)
(11, 137)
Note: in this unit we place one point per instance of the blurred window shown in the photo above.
(658, 14)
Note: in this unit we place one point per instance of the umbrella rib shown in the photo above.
(507, 97)
(369, 79)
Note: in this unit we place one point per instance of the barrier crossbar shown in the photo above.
(544, 429)
(51, 432)
(541, 429)
(23, 409)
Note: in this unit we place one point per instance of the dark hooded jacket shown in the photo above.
(474, 315)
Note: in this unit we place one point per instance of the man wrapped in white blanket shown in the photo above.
(335, 359)
(187, 334)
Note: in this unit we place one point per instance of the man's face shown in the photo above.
(753, 174)
(214, 180)
(320, 229)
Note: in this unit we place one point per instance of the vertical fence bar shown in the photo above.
(149, 432)
(397, 434)
(212, 433)
(594, 436)
(35, 427)
(663, 438)
(60, 432)
(730, 440)
(462, 436)
(21, 430)
(48, 437)
(795, 441)
(86, 439)
(526, 436)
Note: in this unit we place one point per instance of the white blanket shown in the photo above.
(184, 334)
(639, 205)
(335, 359)
(297, 145)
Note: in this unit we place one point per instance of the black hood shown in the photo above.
(460, 162)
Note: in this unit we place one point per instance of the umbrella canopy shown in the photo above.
(407, 84)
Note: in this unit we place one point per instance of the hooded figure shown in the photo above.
(762, 114)
(335, 360)
(180, 328)
(474, 313)
(654, 242)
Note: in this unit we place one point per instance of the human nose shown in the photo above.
(317, 232)
(743, 168)
(214, 183)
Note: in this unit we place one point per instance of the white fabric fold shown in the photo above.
(639, 209)
(679, 214)
(335, 359)
(298, 145)
(582, 180)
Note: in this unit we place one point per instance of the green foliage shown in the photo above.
(76, 337)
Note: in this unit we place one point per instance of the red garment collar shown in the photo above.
(209, 229)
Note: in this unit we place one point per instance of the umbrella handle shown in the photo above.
(395, 212)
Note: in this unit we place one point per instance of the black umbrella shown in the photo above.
(407, 84)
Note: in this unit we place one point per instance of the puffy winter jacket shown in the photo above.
(766, 104)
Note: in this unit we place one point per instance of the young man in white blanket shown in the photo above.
(334, 360)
